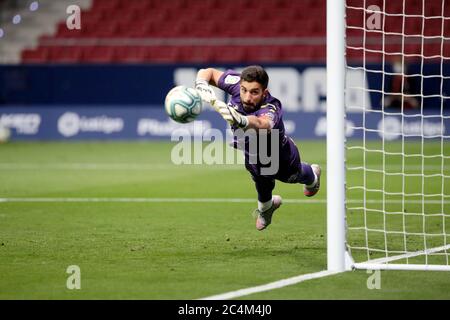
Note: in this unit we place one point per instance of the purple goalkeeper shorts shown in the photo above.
(289, 167)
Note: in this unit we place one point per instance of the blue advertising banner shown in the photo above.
(127, 123)
(300, 87)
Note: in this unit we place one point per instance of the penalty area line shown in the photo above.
(271, 286)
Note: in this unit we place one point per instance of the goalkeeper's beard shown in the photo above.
(250, 107)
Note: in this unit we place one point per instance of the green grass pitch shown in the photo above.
(169, 249)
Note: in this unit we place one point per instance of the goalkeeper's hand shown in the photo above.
(205, 91)
(230, 115)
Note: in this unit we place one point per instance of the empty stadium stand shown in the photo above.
(194, 31)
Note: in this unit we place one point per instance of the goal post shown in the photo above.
(388, 135)
(335, 135)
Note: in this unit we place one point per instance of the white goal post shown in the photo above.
(388, 135)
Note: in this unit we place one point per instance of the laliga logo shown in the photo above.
(391, 128)
(70, 124)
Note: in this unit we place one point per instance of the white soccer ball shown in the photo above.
(183, 104)
(5, 134)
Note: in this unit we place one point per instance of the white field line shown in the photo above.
(399, 167)
(270, 286)
(205, 200)
(160, 200)
(111, 166)
(149, 166)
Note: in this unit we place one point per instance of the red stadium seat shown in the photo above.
(91, 16)
(66, 54)
(220, 4)
(135, 5)
(105, 4)
(239, 28)
(105, 29)
(169, 29)
(268, 29)
(306, 28)
(229, 54)
(131, 54)
(263, 54)
(432, 27)
(319, 53)
(135, 29)
(164, 54)
(88, 29)
(98, 54)
(153, 54)
(201, 29)
(196, 54)
(63, 32)
(413, 26)
(213, 20)
(446, 51)
(128, 16)
(35, 56)
(297, 53)
(432, 50)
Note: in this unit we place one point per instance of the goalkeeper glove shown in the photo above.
(205, 91)
(230, 114)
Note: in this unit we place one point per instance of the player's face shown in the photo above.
(252, 95)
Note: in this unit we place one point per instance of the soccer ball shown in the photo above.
(5, 134)
(183, 104)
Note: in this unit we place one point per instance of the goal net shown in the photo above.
(397, 150)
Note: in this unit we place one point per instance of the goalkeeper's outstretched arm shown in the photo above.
(205, 77)
(210, 75)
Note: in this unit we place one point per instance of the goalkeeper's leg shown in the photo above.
(267, 204)
(293, 170)
(311, 189)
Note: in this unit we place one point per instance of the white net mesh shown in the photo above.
(398, 118)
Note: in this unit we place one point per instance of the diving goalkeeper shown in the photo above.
(252, 107)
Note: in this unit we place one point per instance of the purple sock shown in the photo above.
(306, 175)
(264, 187)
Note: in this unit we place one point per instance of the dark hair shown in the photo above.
(255, 73)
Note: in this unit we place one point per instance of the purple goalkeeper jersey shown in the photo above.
(271, 107)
